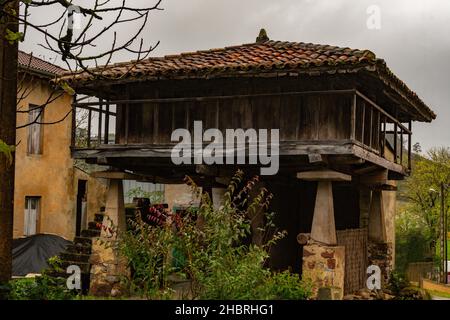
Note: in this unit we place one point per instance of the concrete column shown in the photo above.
(106, 265)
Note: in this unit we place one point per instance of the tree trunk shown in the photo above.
(8, 97)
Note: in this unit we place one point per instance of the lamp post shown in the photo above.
(444, 228)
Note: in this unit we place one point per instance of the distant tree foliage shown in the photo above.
(417, 222)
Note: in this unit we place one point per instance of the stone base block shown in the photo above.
(325, 267)
(107, 269)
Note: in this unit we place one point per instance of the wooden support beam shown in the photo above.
(100, 107)
(323, 175)
(366, 169)
(115, 175)
(106, 137)
(89, 128)
(207, 170)
(375, 178)
(353, 118)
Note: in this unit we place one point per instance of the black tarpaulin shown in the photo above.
(30, 254)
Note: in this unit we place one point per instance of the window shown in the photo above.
(35, 116)
(32, 207)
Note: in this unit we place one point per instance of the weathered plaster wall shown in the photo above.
(51, 175)
(96, 192)
(178, 195)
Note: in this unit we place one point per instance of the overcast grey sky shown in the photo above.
(414, 38)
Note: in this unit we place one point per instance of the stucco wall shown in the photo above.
(51, 175)
(96, 192)
(178, 195)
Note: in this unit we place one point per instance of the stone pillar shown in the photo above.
(107, 266)
(323, 259)
(323, 226)
(218, 197)
(379, 250)
(377, 229)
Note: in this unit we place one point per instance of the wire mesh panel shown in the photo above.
(355, 242)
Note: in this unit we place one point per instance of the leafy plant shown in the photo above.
(40, 288)
(207, 247)
(288, 286)
(397, 282)
(55, 263)
(154, 196)
(6, 150)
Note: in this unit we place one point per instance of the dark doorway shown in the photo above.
(81, 200)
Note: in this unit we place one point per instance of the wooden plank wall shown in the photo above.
(298, 117)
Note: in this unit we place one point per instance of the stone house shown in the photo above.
(50, 190)
(336, 110)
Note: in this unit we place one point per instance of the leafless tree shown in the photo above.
(78, 49)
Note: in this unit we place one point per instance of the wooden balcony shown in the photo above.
(331, 122)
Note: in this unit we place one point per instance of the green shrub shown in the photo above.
(207, 247)
(288, 286)
(397, 282)
(154, 196)
(40, 288)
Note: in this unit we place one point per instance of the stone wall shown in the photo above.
(106, 269)
(325, 266)
(380, 254)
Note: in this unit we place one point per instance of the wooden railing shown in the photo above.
(382, 125)
(94, 124)
(371, 126)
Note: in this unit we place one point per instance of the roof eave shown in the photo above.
(38, 72)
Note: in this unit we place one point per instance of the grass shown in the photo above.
(439, 294)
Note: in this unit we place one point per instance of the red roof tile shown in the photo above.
(259, 57)
(262, 56)
(29, 62)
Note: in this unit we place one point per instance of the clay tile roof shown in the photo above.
(261, 56)
(31, 63)
(247, 57)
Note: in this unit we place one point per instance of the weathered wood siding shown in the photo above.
(305, 118)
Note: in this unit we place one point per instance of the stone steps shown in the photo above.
(90, 233)
(83, 240)
(98, 217)
(78, 257)
(78, 248)
(85, 267)
(93, 225)
(79, 252)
